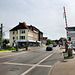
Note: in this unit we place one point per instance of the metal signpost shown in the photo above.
(1, 36)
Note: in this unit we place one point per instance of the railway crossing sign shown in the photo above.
(69, 49)
(69, 46)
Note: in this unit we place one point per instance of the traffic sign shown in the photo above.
(69, 45)
(69, 49)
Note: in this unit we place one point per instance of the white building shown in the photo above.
(71, 34)
(22, 34)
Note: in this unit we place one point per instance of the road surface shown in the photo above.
(34, 62)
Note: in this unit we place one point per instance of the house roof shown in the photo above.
(20, 26)
(24, 26)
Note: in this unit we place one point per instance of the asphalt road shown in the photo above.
(35, 62)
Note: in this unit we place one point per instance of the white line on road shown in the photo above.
(37, 64)
(18, 64)
(44, 66)
(13, 54)
(26, 64)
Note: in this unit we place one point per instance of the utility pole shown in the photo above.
(1, 31)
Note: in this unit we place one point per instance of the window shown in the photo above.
(17, 32)
(22, 31)
(69, 38)
(70, 29)
(22, 37)
(17, 38)
(13, 38)
(13, 32)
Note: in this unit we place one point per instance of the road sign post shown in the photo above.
(16, 46)
(27, 44)
(1, 36)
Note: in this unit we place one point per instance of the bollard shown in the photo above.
(16, 46)
(27, 45)
(70, 53)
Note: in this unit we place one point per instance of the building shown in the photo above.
(36, 30)
(62, 41)
(71, 34)
(45, 40)
(23, 33)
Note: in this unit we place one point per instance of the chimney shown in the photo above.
(19, 23)
(24, 23)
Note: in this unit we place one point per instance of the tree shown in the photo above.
(49, 42)
(5, 41)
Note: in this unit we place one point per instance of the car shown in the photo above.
(49, 47)
(73, 46)
(54, 45)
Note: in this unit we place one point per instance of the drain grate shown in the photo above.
(14, 69)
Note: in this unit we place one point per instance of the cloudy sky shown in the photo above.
(47, 15)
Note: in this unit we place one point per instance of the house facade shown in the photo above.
(23, 33)
(45, 40)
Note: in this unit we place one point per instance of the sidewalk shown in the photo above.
(10, 52)
(64, 67)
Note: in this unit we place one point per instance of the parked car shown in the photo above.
(73, 46)
(49, 47)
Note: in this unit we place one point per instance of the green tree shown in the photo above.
(49, 41)
(5, 41)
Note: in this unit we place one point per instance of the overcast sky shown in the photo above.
(46, 15)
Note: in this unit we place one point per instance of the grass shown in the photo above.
(7, 49)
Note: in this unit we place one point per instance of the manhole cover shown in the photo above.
(14, 69)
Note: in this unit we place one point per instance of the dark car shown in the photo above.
(49, 47)
(54, 45)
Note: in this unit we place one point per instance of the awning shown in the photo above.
(27, 41)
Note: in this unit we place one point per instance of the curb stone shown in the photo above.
(53, 67)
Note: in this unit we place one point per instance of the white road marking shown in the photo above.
(26, 64)
(37, 64)
(14, 54)
(44, 66)
(18, 64)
